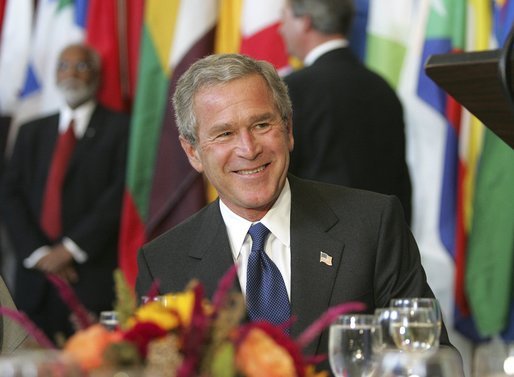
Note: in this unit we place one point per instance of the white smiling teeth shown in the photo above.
(246, 172)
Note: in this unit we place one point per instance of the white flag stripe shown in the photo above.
(14, 53)
(259, 14)
(195, 19)
(400, 13)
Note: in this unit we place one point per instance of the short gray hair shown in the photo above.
(217, 69)
(328, 16)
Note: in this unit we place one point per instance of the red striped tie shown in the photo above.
(51, 221)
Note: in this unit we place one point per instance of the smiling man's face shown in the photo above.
(243, 144)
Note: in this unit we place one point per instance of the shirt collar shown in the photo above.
(277, 220)
(323, 48)
(81, 115)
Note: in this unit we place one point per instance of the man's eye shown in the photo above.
(261, 126)
(223, 135)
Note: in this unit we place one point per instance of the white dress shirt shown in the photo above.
(323, 48)
(81, 116)
(278, 245)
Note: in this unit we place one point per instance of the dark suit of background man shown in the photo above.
(83, 252)
(331, 244)
(348, 122)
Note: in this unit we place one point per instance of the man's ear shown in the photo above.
(306, 23)
(192, 154)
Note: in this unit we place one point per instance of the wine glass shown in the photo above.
(422, 302)
(383, 339)
(414, 329)
(350, 345)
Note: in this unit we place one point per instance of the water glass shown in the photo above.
(351, 345)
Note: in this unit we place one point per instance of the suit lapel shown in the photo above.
(312, 280)
(212, 250)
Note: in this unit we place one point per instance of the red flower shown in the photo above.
(143, 333)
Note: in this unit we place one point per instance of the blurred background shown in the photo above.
(462, 174)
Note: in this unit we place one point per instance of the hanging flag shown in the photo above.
(388, 29)
(228, 31)
(261, 38)
(114, 35)
(2, 11)
(178, 190)
(104, 23)
(14, 52)
(490, 256)
(58, 23)
(162, 188)
(358, 36)
(402, 35)
(135, 11)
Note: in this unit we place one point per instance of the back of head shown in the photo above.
(216, 70)
(327, 16)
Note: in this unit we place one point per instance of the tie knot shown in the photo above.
(258, 232)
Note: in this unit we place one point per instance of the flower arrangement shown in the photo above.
(185, 334)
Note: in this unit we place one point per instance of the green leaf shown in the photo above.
(223, 364)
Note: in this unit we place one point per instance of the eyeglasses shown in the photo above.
(80, 67)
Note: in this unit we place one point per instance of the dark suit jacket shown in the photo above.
(92, 196)
(375, 257)
(348, 127)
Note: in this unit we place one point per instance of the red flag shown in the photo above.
(2, 11)
(113, 29)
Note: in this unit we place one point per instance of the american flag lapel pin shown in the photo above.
(325, 258)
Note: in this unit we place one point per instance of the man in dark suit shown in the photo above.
(68, 229)
(348, 122)
(331, 244)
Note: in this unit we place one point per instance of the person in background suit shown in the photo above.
(74, 236)
(348, 122)
(331, 244)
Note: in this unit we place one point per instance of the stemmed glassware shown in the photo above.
(423, 316)
(351, 345)
(409, 340)
(383, 339)
(400, 340)
(414, 329)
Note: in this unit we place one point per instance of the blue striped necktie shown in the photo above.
(266, 293)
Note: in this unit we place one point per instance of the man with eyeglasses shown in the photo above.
(61, 196)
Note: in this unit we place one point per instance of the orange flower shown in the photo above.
(87, 346)
(259, 355)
